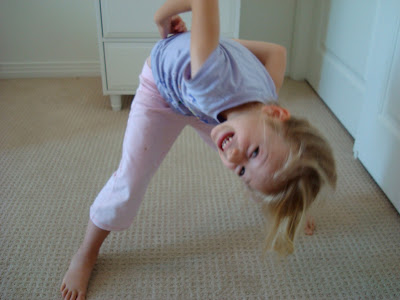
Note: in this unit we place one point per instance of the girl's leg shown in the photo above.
(76, 279)
(151, 130)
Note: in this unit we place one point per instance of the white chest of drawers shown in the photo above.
(127, 33)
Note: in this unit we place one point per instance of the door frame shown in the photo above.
(302, 37)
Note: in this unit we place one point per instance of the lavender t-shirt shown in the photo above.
(231, 76)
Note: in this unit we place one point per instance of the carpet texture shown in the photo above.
(197, 236)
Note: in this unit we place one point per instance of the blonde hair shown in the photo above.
(310, 165)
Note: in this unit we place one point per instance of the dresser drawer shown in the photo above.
(124, 18)
(123, 63)
(129, 18)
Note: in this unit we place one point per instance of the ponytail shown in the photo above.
(310, 165)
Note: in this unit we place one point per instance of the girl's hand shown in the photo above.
(172, 25)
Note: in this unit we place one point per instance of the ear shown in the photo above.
(277, 112)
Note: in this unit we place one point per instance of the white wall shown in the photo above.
(268, 20)
(48, 38)
(45, 38)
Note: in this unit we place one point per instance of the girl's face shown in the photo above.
(251, 148)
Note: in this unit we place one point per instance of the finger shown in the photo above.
(177, 28)
(175, 20)
(182, 26)
(177, 25)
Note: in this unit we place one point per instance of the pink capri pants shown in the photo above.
(151, 130)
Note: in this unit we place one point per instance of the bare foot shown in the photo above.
(310, 226)
(76, 279)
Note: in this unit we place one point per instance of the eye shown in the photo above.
(242, 170)
(255, 152)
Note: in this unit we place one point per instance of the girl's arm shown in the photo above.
(205, 26)
(166, 16)
(272, 56)
(205, 32)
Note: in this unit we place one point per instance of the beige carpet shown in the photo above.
(196, 236)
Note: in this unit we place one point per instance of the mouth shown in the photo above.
(225, 140)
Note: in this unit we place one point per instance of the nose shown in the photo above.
(235, 156)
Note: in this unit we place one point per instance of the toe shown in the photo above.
(81, 296)
(73, 295)
(64, 293)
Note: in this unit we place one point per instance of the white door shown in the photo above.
(355, 68)
(378, 139)
(339, 55)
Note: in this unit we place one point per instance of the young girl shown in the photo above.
(225, 90)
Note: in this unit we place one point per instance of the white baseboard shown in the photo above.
(50, 69)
